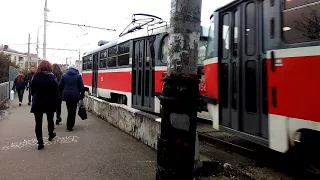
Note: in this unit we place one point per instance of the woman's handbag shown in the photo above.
(82, 111)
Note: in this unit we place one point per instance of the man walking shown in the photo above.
(72, 90)
(28, 81)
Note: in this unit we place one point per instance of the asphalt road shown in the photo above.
(93, 151)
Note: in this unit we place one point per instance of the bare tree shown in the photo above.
(309, 24)
(5, 62)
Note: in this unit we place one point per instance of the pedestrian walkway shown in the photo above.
(93, 151)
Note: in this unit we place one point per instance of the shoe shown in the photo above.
(40, 146)
(70, 129)
(52, 136)
(19, 103)
(58, 121)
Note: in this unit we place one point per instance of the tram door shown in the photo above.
(143, 74)
(242, 75)
(95, 68)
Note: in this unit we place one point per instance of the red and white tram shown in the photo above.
(129, 69)
(262, 72)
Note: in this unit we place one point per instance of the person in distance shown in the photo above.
(28, 80)
(19, 84)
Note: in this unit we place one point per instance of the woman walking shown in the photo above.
(58, 73)
(72, 90)
(19, 84)
(45, 93)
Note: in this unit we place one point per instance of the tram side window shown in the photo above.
(89, 62)
(123, 54)
(250, 29)
(164, 50)
(301, 21)
(250, 86)
(151, 50)
(112, 56)
(103, 60)
(236, 17)
(84, 63)
(225, 37)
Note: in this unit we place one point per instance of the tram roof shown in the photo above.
(138, 34)
(230, 4)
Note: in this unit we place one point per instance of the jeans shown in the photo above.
(20, 94)
(38, 129)
(72, 111)
(58, 113)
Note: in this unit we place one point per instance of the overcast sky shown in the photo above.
(20, 17)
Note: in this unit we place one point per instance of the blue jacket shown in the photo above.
(45, 92)
(71, 85)
(19, 85)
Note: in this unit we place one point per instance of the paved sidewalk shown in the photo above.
(93, 151)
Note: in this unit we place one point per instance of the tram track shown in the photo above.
(263, 156)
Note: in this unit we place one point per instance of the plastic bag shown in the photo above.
(12, 95)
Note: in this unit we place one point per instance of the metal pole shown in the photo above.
(45, 31)
(38, 48)
(180, 94)
(28, 56)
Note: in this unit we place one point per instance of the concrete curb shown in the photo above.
(142, 126)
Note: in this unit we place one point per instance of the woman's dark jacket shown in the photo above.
(45, 92)
(19, 85)
(71, 85)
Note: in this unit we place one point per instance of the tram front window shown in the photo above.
(201, 49)
(209, 53)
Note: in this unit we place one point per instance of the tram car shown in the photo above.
(129, 69)
(262, 73)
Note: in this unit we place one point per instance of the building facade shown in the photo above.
(19, 58)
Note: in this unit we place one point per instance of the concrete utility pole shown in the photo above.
(37, 50)
(28, 56)
(180, 94)
(45, 17)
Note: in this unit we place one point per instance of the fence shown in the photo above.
(7, 86)
(13, 72)
(4, 92)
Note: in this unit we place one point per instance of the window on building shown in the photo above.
(301, 21)
(123, 54)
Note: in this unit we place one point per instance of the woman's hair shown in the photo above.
(20, 78)
(44, 66)
(56, 70)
